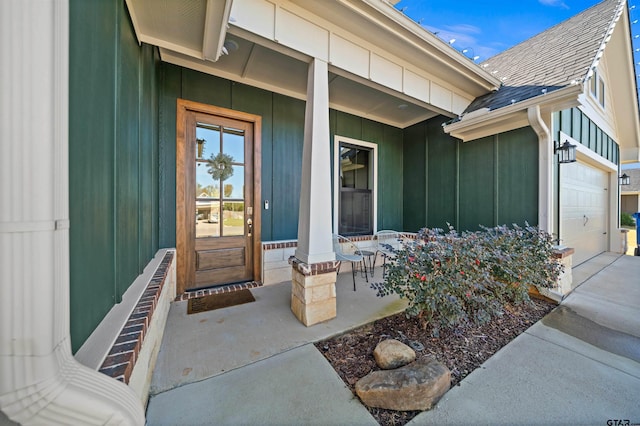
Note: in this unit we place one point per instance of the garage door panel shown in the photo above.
(583, 207)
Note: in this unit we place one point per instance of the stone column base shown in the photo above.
(565, 280)
(313, 291)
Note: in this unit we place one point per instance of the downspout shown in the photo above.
(40, 380)
(545, 172)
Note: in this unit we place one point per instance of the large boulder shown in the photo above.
(417, 386)
(392, 353)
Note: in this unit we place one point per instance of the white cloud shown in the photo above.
(554, 3)
(465, 36)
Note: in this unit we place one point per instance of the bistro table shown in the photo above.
(366, 254)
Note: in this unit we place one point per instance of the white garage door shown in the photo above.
(583, 210)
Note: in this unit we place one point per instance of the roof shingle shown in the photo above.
(558, 57)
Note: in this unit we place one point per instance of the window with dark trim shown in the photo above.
(356, 191)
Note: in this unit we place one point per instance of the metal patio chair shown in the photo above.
(347, 251)
(386, 242)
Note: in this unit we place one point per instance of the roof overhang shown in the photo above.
(418, 75)
(618, 58)
(483, 122)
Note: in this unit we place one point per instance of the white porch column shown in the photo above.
(313, 293)
(40, 381)
(314, 221)
(545, 171)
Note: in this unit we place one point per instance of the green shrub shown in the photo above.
(626, 219)
(452, 279)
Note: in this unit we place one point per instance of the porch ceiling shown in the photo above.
(191, 33)
(286, 72)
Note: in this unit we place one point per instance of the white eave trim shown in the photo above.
(462, 64)
(481, 123)
(215, 28)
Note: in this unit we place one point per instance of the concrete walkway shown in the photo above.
(580, 365)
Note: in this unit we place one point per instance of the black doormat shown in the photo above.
(217, 301)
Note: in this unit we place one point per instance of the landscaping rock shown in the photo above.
(417, 386)
(392, 353)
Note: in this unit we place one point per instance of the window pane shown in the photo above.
(355, 213)
(233, 218)
(234, 186)
(207, 141)
(233, 144)
(207, 218)
(356, 201)
(354, 164)
(206, 187)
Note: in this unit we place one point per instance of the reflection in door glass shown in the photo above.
(233, 218)
(234, 144)
(219, 174)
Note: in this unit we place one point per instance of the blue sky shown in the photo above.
(485, 28)
(488, 27)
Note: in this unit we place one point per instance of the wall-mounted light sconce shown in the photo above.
(624, 179)
(566, 151)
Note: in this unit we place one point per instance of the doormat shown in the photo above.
(217, 301)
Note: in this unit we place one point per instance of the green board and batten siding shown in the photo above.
(113, 164)
(489, 181)
(576, 124)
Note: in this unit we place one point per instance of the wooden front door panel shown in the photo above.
(217, 224)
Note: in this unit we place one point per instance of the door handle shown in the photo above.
(249, 227)
(585, 220)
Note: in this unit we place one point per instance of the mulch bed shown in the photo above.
(461, 350)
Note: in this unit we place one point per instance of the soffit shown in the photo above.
(622, 85)
(186, 31)
(259, 66)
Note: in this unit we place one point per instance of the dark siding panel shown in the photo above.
(91, 164)
(442, 176)
(148, 217)
(205, 88)
(584, 134)
(477, 178)
(259, 102)
(566, 122)
(390, 179)
(170, 91)
(348, 125)
(112, 160)
(518, 177)
(576, 124)
(415, 178)
(585, 131)
(288, 140)
(127, 159)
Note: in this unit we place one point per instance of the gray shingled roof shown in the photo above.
(558, 57)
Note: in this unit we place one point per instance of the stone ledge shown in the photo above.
(123, 354)
(561, 253)
(313, 269)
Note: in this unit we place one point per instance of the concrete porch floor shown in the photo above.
(199, 346)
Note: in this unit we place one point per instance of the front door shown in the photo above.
(217, 223)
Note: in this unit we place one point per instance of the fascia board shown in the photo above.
(430, 44)
(511, 117)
